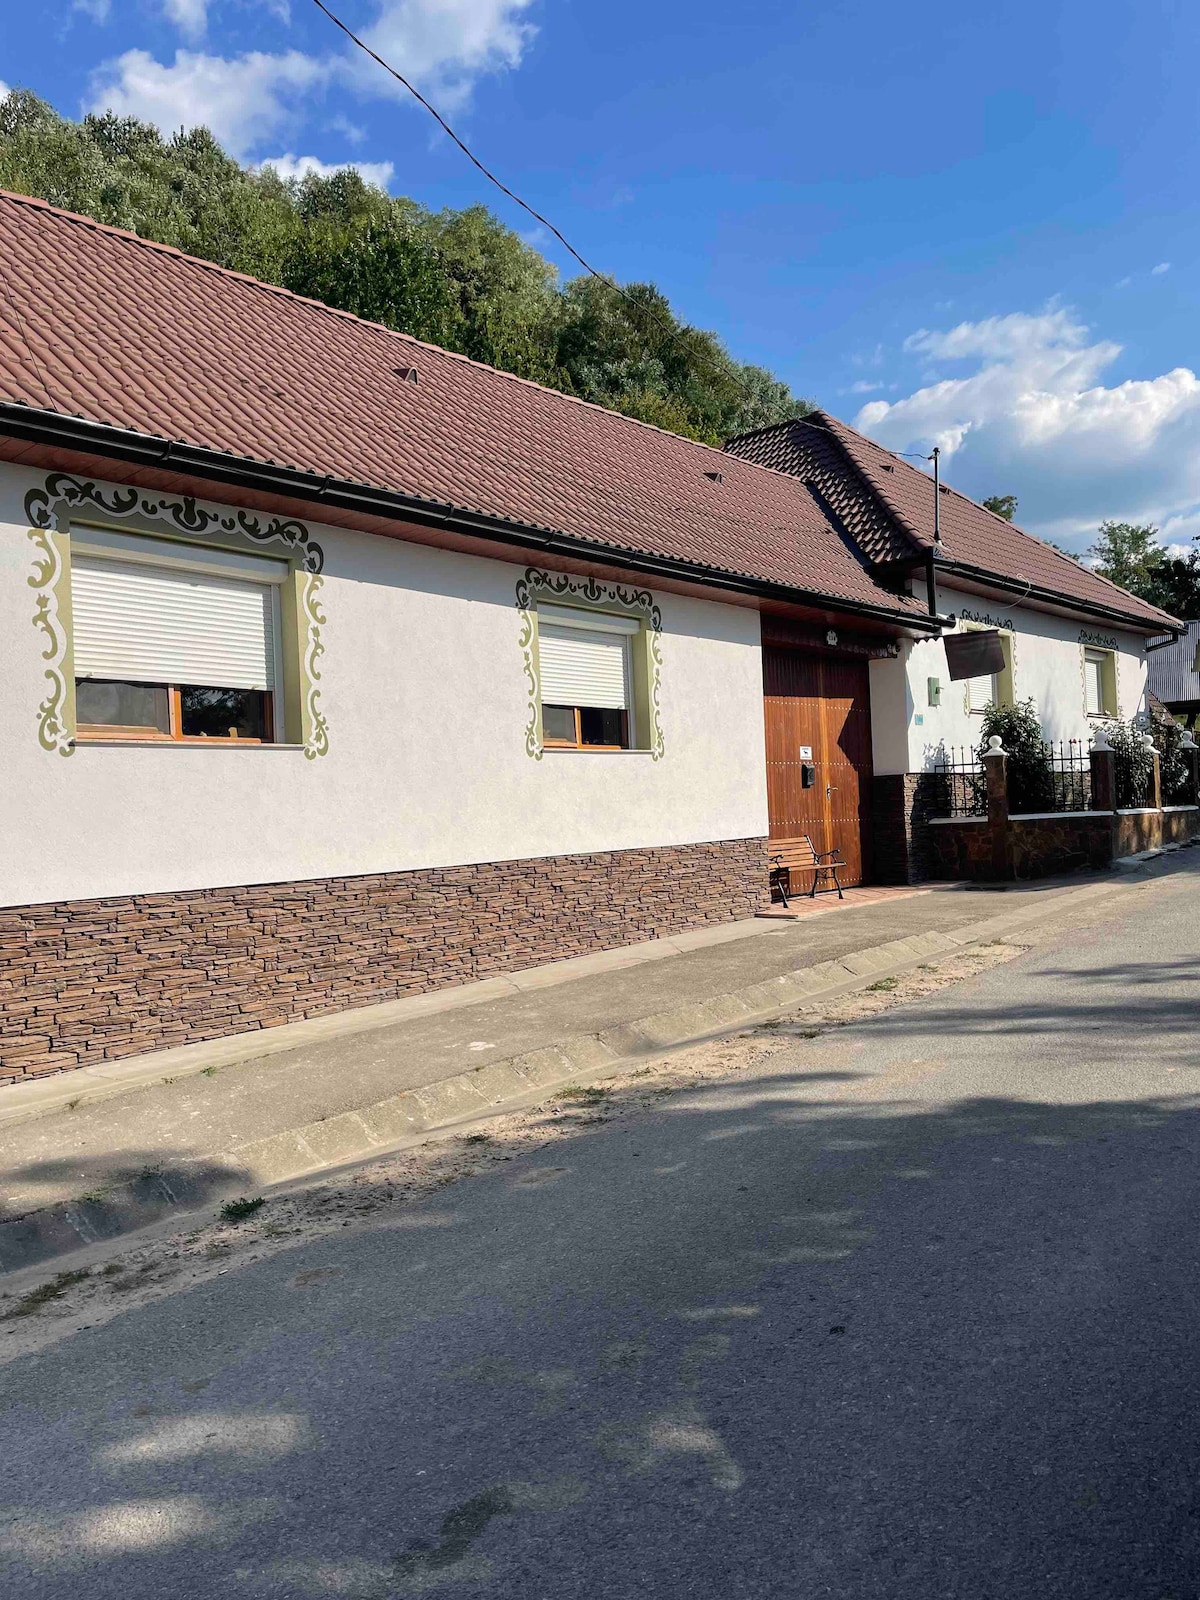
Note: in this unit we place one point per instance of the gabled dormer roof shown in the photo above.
(886, 505)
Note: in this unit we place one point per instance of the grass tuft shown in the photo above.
(54, 1289)
(239, 1210)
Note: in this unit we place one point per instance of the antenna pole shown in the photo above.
(937, 499)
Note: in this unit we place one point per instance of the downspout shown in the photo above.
(930, 584)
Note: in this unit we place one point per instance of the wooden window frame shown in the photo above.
(577, 743)
(106, 733)
(1107, 660)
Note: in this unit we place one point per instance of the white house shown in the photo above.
(338, 666)
(1073, 643)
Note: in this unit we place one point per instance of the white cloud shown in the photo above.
(244, 101)
(5, 91)
(1033, 418)
(189, 16)
(443, 45)
(289, 166)
(97, 10)
(863, 386)
(1157, 272)
(350, 131)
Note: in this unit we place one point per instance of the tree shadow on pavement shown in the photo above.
(750, 1341)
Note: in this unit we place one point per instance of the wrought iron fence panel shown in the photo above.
(1178, 787)
(959, 785)
(1055, 777)
(1134, 779)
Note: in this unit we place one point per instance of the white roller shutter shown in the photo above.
(1093, 677)
(148, 624)
(583, 666)
(980, 693)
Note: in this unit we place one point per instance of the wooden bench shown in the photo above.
(797, 855)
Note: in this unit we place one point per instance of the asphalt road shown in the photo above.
(910, 1312)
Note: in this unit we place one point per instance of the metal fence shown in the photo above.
(958, 786)
(1178, 786)
(1134, 779)
(1057, 777)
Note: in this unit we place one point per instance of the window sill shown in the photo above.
(585, 750)
(177, 744)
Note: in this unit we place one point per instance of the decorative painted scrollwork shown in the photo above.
(62, 495)
(536, 584)
(54, 732)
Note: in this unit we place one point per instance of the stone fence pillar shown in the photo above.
(995, 766)
(1104, 784)
(1104, 773)
(1155, 776)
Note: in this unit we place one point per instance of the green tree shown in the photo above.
(457, 278)
(1003, 505)
(1129, 553)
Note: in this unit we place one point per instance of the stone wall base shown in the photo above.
(92, 980)
(905, 850)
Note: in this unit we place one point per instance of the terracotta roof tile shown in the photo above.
(887, 505)
(100, 324)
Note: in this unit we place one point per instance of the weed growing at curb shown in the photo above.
(239, 1210)
(53, 1289)
(882, 983)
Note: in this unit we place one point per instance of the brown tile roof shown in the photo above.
(886, 504)
(100, 324)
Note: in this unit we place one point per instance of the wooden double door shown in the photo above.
(818, 726)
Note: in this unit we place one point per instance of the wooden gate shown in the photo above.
(821, 703)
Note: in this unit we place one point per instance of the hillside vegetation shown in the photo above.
(456, 278)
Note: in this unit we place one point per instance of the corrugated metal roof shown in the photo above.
(1174, 671)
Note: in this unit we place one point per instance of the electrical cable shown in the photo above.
(669, 331)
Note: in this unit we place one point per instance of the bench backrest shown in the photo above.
(792, 853)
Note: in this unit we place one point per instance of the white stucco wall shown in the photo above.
(426, 700)
(1047, 668)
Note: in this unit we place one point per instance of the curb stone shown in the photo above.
(514, 1083)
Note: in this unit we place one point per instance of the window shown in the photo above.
(1100, 683)
(980, 693)
(586, 669)
(992, 688)
(173, 642)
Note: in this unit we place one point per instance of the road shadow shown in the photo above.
(784, 1343)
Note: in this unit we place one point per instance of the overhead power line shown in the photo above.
(668, 330)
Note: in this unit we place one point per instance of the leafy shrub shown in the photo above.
(1173, 763)
(1030, 775)
(1134, 763)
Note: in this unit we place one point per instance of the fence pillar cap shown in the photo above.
(995, 747)
(1100, 739)
(1148, 741)
(1188, 742)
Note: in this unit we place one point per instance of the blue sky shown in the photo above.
(975, 225)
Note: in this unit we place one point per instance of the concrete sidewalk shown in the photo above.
(90, 1156)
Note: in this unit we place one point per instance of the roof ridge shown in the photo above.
(1013, 527)
(130, 237)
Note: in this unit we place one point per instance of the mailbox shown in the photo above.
(808, 774)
